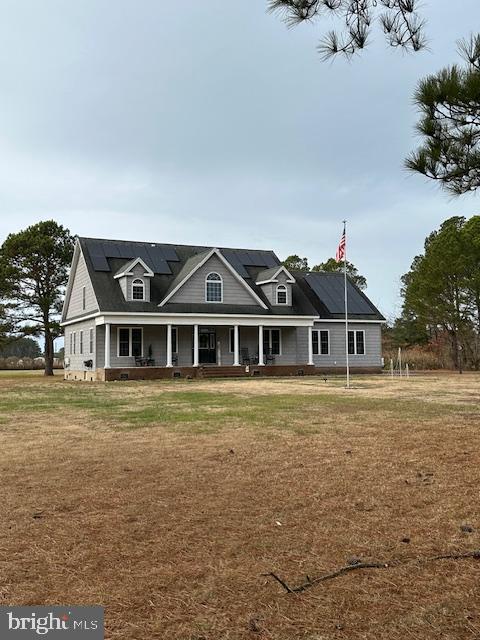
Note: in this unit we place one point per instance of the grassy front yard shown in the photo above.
(167, 501)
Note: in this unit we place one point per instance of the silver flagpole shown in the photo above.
(346, 302)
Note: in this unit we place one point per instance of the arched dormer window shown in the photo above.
(213, 288)
(281, 294)
(138, 289)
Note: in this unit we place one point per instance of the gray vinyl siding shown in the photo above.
(77, 359)
(81, 279)
(270, 290)
(123, 286)
(193, 291)
(336, 357)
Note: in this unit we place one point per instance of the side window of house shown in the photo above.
(324, 343)
(271, 341)
(123, 342)
(213, 288)
(91, 340)
(360, 342)
(356, 343)
(84, 298)
(130, 342)
(321, 343)
(281, 294)
(138, 289)
(137, 346)
(81, 342)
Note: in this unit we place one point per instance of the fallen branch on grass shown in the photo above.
(311, 582)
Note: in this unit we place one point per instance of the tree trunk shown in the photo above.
(457, 351)
(48, 353)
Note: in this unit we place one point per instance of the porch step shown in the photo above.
(222, 372)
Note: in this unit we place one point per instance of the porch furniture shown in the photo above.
(144, 362)
(245, 356)
(269, 357)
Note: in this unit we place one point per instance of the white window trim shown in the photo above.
(84, 298)
(137, 280)
(217, 281)
(80, 343)
(355, 331)
(268, 330)
(90, 340)
(320, 354)
(282, 287)
(129, 342)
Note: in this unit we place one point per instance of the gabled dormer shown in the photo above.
(208, 278)
(134, 280)
(276, 284)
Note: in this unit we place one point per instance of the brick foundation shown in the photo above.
(159, 373)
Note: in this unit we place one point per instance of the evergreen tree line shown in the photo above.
(441, 296)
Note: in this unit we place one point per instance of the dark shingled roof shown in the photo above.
(312, 294)
(326, 290)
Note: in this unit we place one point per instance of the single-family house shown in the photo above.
(144, 310)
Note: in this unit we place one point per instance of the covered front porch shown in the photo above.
(219, 346)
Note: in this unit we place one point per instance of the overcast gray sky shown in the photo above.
(211, 123)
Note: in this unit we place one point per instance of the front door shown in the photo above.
(207, 343)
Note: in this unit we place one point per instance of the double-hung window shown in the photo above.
(138, 289)
(356, 342)
(81, 343)
(213, 288)
(71, 342)
(130, 342)
(272, 342)
(321, 343)
(281, 294)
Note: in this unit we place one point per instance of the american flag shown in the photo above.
(341, 248)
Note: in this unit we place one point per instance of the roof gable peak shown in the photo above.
(271, 275)
(200, 263)
(127, 270)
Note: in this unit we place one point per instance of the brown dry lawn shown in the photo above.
(167, 501)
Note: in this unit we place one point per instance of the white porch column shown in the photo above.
(310, 345)
(261, 359)
(195, 345)
(169, 345)
(236, 355)
(107, 346)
